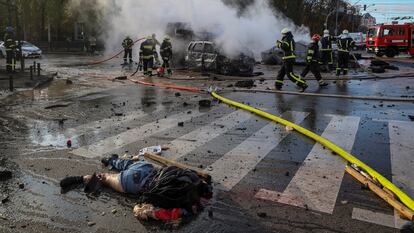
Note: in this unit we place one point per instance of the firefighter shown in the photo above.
(147, 53)
(10, 45)
(313, 59)
(345, 43)
(127, 44)
(166, 54)
(154, 39)
(326, 50)
(287, 44)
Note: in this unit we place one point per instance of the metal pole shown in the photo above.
(31, 72)
(34, 66)
(11, 82)
(38, 69)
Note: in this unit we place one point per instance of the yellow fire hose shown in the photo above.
(404, 198)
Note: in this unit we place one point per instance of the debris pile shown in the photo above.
(245, 83)
(379, 66)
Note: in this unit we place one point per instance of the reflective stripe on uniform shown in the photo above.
(287, 57)
(343, 50)
(298, 79)
(279, 81)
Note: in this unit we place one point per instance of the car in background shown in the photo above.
(273, 56)
(359, 39)
(206, 56)
(28, 50)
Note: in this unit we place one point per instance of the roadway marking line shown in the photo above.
(118, 141)
(100, 125)
(185, 144)
(233, 166)
(373, 217)
(317, 182)
(402, 160)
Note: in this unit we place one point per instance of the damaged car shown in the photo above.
(206, 56)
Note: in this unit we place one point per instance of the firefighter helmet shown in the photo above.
(316, 37)
(167, 38)
(285, 31)
(346, 32)
(326, 32)
(149, 38)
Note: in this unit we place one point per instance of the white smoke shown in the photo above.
(257, 29)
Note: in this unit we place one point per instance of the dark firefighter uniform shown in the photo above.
(288, 46)
(166, 54)
(344, 46)
(10, 45)
(147, 53)
(326, 50)
(312, 63)
(127, 44)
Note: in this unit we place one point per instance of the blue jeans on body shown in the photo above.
(133, 175)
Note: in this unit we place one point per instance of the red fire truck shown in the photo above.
(391, 39)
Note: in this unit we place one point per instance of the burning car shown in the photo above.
(206, 56)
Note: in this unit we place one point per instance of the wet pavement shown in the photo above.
(259, 168)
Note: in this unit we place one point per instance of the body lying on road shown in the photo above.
(166, 193)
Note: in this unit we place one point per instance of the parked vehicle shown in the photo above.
(274, 55)
(358, 37)
(205, 55)
(28, 50)
(391, 39)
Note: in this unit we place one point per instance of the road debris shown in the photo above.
(121, 78)
(5, 174)
(204, 103)
(58, 106)
(245, 83)
(91, 223)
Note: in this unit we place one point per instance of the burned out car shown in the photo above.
(206, 56)
(274, 55)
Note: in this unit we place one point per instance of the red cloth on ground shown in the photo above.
(171, 214)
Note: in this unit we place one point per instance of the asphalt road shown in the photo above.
(266, 178)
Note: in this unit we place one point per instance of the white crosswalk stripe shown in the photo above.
(185, 144)
(118, 141)
(317, 182)
(402, 163)
(233, 166)
(114, 122)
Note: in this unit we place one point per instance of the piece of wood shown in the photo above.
(167, 162)
(402, 209)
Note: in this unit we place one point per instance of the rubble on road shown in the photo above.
(245, 83)
(5, 174)
(379, 66)
(204, 103)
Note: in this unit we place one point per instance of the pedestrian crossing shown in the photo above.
(316, 183)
